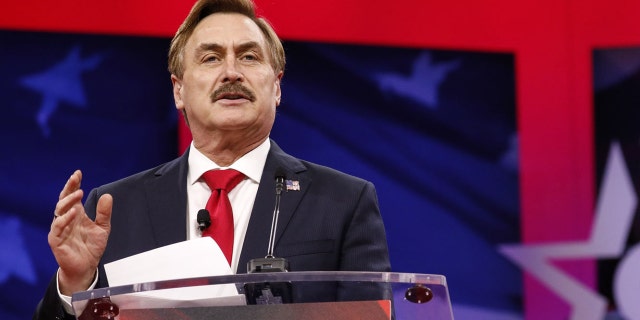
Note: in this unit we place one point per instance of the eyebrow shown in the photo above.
(206, 47)
(215, 47)
(248, 46)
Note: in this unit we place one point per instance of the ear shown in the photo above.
(177, 92)
(277, 84)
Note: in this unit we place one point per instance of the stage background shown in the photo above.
(547, 44)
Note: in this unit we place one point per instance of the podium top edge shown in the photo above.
(294, 276)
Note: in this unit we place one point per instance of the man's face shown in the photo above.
(228, 83)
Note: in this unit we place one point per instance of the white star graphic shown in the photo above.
(423, 83)
(614, 213)
(61, 83)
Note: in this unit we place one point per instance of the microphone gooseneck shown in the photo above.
(276, 211)
(270, 292)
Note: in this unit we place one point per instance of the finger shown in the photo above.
(103, 211)
(65, 204)
(61, 224)
(72, 184)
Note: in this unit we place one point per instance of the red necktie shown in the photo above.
(221, 182)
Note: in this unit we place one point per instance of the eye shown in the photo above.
(249, 56)
(210, 58)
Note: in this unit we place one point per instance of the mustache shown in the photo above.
(233, 88)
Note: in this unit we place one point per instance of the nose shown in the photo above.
(231, 71)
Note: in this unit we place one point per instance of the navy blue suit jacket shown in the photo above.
(332, 223)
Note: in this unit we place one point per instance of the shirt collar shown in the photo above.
(251, 164)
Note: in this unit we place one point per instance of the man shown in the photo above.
(226, 66)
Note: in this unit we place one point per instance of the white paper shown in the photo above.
(188, 259)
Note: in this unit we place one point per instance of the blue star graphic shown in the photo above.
(509, 158)
(61, 83)
(422, 84)
(14, 257)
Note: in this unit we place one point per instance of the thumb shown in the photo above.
(103, 211)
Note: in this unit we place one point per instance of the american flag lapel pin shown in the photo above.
(292, 185)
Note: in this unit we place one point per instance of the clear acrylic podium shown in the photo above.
(333, 295)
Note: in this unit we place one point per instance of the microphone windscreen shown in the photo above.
(203, 218)
(280, 173)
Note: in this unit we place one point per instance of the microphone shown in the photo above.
(270, 292)
(204, 220)
(270, 263)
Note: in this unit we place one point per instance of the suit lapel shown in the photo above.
(256, 240)
(168, 213)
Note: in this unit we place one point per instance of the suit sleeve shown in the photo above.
(365, 242)
(50, 307)
(365, 248)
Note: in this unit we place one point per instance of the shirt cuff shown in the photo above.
(66, 300)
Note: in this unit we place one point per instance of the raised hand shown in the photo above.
(77, 242)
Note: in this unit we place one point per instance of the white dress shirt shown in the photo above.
(241, 197)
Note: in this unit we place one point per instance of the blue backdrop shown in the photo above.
(433, 130)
